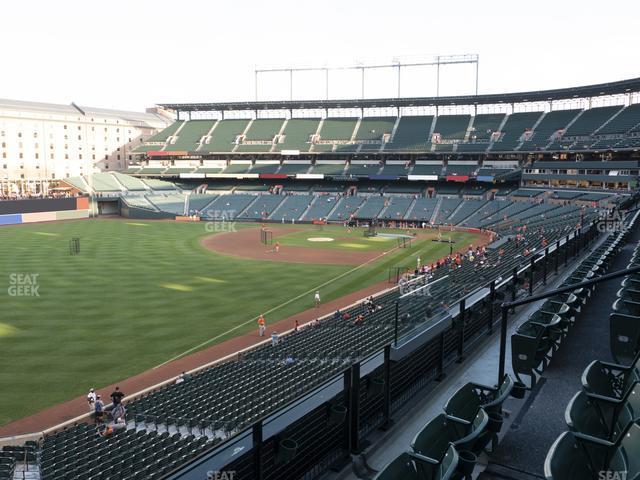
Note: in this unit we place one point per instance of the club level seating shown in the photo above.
(371, 168)
(474, 190)
(237, 168)
(462, 169)
(252, 187)
(188, 139)
(264, 167)
(412, 133)
(297, 132)
(294, 168)
(329, 168)
(292, 207)
(147, 170)
(526, 193)
(402, 188)
(424, 169)
(397, 169)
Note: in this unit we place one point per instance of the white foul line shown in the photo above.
(186, 352)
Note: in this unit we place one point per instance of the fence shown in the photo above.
(370, 391)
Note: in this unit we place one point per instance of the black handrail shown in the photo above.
(506, 306)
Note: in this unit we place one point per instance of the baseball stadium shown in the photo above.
(430, 288)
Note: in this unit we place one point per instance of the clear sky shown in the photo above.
(135, 53)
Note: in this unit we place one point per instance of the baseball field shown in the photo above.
(140, 293)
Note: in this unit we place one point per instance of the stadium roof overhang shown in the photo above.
(602, 89)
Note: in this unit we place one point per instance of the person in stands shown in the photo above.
(116, 396)
(91, 399)
(98, 409)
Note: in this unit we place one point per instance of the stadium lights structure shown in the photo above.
(396, 63)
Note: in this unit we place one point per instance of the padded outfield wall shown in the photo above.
(14, 212)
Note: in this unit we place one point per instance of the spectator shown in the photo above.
(261, 325)
(98, 409)
(180, 378)
(118, 412)
(116, 396)
(274, 339)
(91, 399)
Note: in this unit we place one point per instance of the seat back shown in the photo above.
(434, 438)
(464, 404)
(566, 460)
(624, 336)
(402, 466)
(630, 447)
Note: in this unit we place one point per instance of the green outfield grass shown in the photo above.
(139, 294)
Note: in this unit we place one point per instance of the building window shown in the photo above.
(19, 144)
(20, 155)
(4, 144)
(66, 156)
(118, 157)
(52, 156)
(79, 137)
(35, 134)
(19, 134)
(79, 127)
(37, 156)
(93, 157)
(80, 157)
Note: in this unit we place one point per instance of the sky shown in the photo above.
(134, 54)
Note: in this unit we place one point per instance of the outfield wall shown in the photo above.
(15, 212)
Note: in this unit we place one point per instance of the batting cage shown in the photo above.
(404, 242)
(266, 236)
(74, 246)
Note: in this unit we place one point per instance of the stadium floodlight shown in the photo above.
(396, 63)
